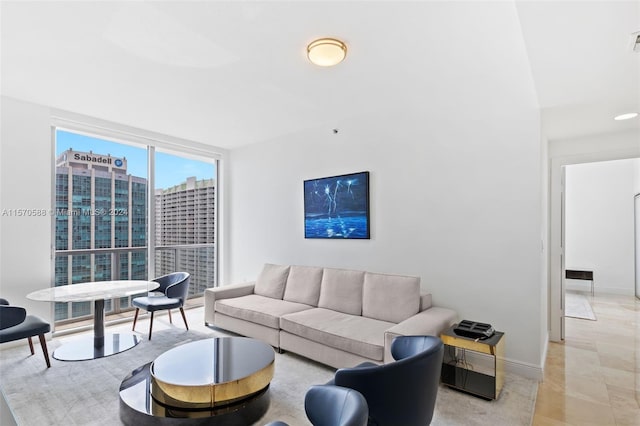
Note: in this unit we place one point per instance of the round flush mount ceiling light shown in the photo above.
(326, 52)
(626, 116)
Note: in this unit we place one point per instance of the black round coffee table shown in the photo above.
(219, 381)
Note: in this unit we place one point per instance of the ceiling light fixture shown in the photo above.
(626, 116)
(326, 52)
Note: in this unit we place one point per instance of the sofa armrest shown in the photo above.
(430, 322)
(224, 292)
(425, 301)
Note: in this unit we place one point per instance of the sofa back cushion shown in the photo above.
(271, 281)
(303, 285)
(392, 298)
(341, 291)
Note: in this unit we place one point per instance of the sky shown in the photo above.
(170, 169)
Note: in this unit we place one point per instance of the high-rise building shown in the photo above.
(98, 206)
(185, 215)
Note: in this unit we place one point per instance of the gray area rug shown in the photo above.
(86, 392)
(577, 305)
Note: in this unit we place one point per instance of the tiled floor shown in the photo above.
(593, 377)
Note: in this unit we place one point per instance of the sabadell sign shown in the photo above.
(98, 159)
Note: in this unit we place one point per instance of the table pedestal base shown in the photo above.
(91, 347)
(139, 408)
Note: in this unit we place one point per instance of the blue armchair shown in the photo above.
(327, 405)
(402, 392)
(15, 324)
(171, 294)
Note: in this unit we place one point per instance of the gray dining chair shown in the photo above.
(171, 294)
(15, 324)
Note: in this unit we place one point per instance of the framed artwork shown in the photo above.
(337, 207)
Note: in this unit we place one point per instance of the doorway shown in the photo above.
(557, 226)
(599, 229)
(599, 226)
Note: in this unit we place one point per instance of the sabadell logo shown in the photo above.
(100, 159)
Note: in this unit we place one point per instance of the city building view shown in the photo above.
(184, 216)
(98, 206)
(101, 227)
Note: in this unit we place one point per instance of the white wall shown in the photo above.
(456, 204)
(599, 224)
(26, 168)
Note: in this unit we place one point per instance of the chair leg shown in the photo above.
(150, 325)
(135, 319)
(169, 310)
(184, 318)
(30, 345)
(45, 351)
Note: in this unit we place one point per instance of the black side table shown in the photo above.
(459, 375)
(580, 274)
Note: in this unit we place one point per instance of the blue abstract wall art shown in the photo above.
(337, 207)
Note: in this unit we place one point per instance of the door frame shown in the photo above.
(557, 226)
(636, 225)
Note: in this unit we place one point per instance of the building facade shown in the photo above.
(185, 215)
(98, 206)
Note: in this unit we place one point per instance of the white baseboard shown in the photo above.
(585, 286)
(524, 369)
(545, 350)
(528, 370)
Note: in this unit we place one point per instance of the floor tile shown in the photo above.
(593, 376)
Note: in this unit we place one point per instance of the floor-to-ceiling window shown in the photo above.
(103, 201)
(185, 212)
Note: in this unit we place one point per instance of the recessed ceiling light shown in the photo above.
(326, 52)
(626, 116)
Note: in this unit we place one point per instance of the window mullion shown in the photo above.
(151, 212)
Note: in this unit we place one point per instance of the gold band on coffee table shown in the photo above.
(211, 395)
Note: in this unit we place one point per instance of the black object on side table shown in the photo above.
(456, 372)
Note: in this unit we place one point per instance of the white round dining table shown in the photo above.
(100, 344)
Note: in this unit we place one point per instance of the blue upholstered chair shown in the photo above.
(328, 405)
(15, 324)
(402, 392)
(170, 295)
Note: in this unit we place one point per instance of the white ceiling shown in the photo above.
(235, 73)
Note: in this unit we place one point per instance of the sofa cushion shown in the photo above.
(303, 285)
(380, 292)
(341, 291)
(350, 333)
(258, 309)
(271, 281)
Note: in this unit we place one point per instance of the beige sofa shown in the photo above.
(334, 316)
